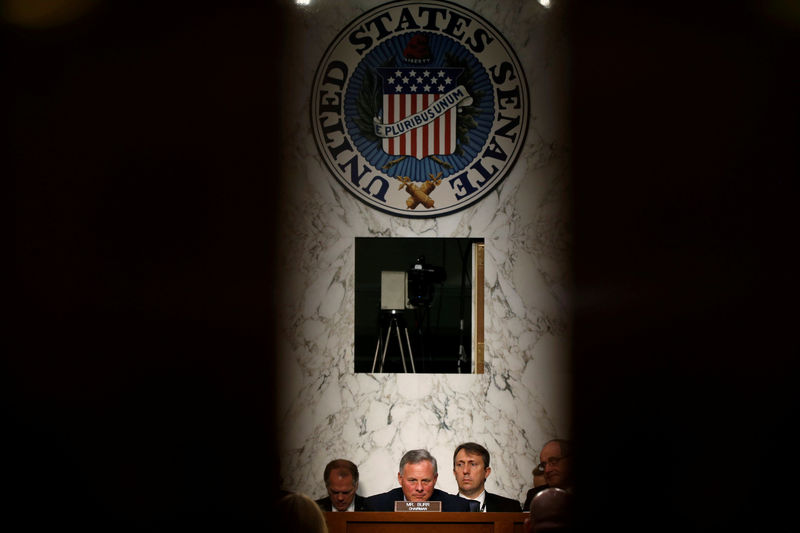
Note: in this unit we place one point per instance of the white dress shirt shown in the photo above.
(481, 498)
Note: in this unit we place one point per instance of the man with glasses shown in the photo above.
(555, 464)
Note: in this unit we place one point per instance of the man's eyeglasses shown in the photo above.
(552, 461)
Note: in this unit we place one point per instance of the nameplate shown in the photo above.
(418, 506)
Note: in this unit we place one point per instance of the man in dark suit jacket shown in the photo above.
(555, 466)
(341, 482)
(359, 504)
(417, 477)
(471, 468)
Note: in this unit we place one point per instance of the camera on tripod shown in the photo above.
(421, 280)
(410, 289)
(400, 290)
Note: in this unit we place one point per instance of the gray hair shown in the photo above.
(417, 456)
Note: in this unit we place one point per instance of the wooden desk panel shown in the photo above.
(425, 522)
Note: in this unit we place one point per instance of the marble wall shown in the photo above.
(327, 411)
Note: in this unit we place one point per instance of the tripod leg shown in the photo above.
(410, 355)
(385, 346)
(400, 344)
(377, 347)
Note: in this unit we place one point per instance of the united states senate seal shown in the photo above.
(419, 109)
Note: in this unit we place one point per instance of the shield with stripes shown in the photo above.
(418, 117)
(419, 109)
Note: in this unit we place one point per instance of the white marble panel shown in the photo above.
(325, 410)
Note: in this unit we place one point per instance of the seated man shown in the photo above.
(417, 477)
(471, 468)
(341, 481)
(555, 464)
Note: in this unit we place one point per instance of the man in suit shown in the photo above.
(471, 468)
(417, 477)
(341, 481)
(555, 463)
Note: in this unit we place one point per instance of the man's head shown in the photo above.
(551, 511)
(297, 512)
(417, 475)
(556, 462)
(341, 480)
(471, 468)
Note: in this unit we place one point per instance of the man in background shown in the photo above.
(555, 463)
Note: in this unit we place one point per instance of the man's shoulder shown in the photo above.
(438, 493)
(384, 501)
(497, 497)
(531, 493)
(392, 492)
(508, 504)
(450, 502)
(324, 503)
(362, 504)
